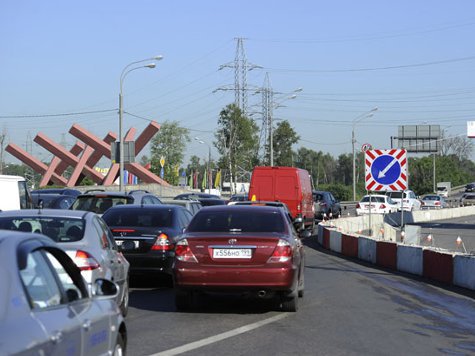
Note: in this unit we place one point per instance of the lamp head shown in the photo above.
(158, 58)
(150, 65)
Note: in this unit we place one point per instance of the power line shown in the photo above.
(453, 60)
(55, 115)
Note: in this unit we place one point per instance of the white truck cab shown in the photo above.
(14, 193)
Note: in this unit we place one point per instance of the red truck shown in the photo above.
(288, 185)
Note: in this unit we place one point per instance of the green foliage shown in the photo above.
(237, 140)
(284, 137)
(169, 143)
(447, 169)
(340, 192)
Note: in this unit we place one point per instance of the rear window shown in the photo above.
(57, 229)
(237, 221)
(318, 197)
(99, 203)
(139, 217)
(373, 199)
(431, 197)
(395, 195)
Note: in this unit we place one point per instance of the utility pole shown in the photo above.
(2, 141)
(241, 66)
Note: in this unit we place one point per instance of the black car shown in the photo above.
(52, 201)
(146, 234)
(98, 201)
(326, 206)
(470, 187)
(204, 198)
(61, 191)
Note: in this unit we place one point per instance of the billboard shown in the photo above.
(418, 138)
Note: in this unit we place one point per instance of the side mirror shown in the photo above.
(105, 288)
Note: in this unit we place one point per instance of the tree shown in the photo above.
(236, 140)
(460, 146)
(284, 136)
(169, 143)
(345, 169)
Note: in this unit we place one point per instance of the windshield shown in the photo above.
(57, 229)
(237, 221)
(366, 199)
(99, 204)
(139, 217)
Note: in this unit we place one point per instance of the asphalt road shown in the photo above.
(349, 308)
(444, 234)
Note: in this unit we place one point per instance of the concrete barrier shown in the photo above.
(386, 254)
(320, 233)
(349, 245)
(409, 259)
(367, 249)
(464, 271)
(335, 241)
(438, 266)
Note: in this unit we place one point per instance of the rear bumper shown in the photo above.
(150, 262)
(234, 278)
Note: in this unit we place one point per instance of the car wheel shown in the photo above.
(301, 287)
(124, 306)
(183, 300)
(289, 303)
(119, 349)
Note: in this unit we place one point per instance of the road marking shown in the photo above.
(212, 339)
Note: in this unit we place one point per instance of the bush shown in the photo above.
(340, 192)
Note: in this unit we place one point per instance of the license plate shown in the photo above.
(232, 253)
(121, 242)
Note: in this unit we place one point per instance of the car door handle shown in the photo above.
(86, 325)
(57, 337)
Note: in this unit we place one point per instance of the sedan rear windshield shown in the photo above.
(139, 217)
(57, 229)
(242, 221)
(373, 199)
(99, 203)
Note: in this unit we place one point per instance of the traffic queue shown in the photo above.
(68, 271)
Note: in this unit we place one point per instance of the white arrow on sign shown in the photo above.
(388, 167)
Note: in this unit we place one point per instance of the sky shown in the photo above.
(61, 61)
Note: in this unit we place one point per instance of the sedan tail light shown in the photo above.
(358, 206)
(183, 252)
(437, 203)
(382, 206)
(85, 261)
(162, 243)
(282, 252)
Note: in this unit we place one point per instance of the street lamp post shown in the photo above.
(271, 133)
(124, 73)
(208, 166)
(353, 141)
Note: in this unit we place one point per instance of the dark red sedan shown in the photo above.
(252, 250)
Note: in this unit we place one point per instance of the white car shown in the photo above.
(378, 204)
(409, 200)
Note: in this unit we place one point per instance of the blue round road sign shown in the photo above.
(386, 170)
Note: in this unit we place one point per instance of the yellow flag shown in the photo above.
(217, 180)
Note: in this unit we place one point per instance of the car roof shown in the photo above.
(146, 206)
(236, 207)
(65, 213)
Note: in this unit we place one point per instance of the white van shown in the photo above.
(14, 193)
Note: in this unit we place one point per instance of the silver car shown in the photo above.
(86, 239)
(433, 201)
(46, 307)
